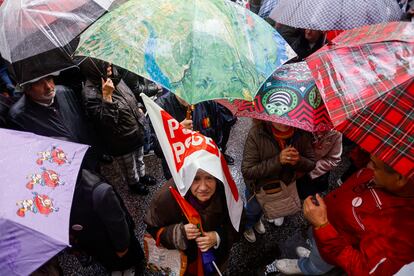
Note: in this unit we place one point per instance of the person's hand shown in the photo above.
(159, 88)
(107, 90)
(316, 215)
(188, 124)
(191, 231)
(207, 241)
(109, 70)
(289, 155)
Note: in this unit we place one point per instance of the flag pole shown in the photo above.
(218, 270)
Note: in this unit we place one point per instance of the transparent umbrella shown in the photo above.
(38, 33)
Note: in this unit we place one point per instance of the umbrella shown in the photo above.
(38, 179)
(266, 7)
(288, 97)
(200, 50)
(328, 15)
(385, 128)
(358, 71)
(38, 34)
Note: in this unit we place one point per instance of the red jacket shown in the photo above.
(371, 232)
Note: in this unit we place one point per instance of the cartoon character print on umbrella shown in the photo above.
(48, 178)
(40, 203)
(55, 155)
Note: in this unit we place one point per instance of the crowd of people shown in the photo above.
(364, 227)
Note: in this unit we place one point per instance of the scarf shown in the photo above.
(282, 136)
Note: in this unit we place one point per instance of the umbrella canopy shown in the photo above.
(288, 97)
(38, 33)
(328, 15)
(200, 50)
(361, 65)
(38, 179)
(385, 128)
(362, 77)
(267, 7)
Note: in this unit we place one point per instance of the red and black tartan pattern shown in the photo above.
(392, 31)
(386, 129)
(350, 77)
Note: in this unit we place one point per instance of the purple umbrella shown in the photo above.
(38, 177)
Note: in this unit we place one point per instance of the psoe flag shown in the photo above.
(186, 151)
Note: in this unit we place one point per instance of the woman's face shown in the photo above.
(204, 186)
(280, 127)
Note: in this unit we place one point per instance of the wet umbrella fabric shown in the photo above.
(38, 179)
(361, 65)
(40, 34)
(267, 7)
(385, 129)
(199, 50)
(365, 78)
(289, 97)
(328, 15)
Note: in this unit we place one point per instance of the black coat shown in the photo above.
(119, 124)
(63, 119)
(101, 225)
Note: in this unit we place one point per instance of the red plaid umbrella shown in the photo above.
(365, 78)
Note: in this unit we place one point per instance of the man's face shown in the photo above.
(42, 90)
(312, 36)
(384, 179)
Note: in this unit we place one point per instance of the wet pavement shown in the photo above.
(245, 258)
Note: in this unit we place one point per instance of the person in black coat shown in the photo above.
(54, 111)
(101, 226)
(119, 121)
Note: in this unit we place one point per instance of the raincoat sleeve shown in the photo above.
(330, 160)
(254, 168)
(164, 216)
(106, 113)
(109, 210)
(370, 258)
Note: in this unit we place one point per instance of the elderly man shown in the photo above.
(365, 226)
(50, 110)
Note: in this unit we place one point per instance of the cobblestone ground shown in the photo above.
(245, 258)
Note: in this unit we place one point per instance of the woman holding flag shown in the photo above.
(198, 211)
(199, 222)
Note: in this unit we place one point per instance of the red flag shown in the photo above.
(193, 217)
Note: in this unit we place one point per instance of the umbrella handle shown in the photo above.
(189, 111)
